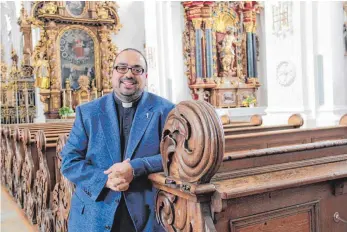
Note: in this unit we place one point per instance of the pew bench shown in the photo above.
(208, 186)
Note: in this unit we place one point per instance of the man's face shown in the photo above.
(129, 86)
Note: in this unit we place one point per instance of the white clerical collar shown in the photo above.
(127, 104)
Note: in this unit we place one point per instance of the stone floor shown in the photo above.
(11, 215)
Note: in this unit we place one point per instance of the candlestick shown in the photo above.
(70, 99)
(64, 98)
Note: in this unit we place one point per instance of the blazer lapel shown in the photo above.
(109, 122)
(141, 120)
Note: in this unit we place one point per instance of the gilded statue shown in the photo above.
(226, 52)
(101, 11)
(41, 70)
(83, 82)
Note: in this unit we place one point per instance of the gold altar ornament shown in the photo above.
(75, 45)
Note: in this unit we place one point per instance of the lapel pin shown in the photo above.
(147, 115)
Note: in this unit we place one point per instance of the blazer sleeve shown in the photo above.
(151, 164)
(75, 167)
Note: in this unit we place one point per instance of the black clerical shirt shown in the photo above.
(123, 221)
(125, 118)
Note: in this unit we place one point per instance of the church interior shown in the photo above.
(257, 140)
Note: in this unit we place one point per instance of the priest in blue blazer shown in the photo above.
(112, 147)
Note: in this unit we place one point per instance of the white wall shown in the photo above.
(315, 47)
(132, 34)
(164, 27)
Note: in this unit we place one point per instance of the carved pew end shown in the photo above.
(195, 130)
(225, 119)
(296, 120)
(343, 120)
(257, 120)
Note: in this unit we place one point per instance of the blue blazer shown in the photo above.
(94, 145)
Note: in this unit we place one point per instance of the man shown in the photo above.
(112, 147)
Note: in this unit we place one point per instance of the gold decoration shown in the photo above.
(101, 11)
(98, 20)
(41, 70)
(49, 8)
(83, 82)
(249, 27)
(197, 23)
(208, 23)
(223, 21)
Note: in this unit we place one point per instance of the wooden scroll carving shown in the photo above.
(18, 160)
(193, 142)
(9, 162)
(43, 179)
(28, 176)
(62, 192)
(4, 154)
(192, 147)
(55, 218)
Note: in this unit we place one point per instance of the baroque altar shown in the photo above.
(74, 56)
(221, 51)
(17, 91)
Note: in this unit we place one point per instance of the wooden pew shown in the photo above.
(255, 120)
(294, 121)
(300, 187)
(3, 152)
(7, 133)
(56, 217)
(33, 171)
(31, 166)
(19, 151)
(46, 177)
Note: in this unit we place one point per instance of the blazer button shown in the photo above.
(108, 227)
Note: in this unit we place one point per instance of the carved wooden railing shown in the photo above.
(192, 148)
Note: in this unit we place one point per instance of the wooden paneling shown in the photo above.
(299, 218)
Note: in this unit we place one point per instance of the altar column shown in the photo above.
(330, 62)
(285, 57)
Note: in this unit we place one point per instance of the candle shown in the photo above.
(64, 98)
(70, 100)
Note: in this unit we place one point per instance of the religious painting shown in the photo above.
(75, 8)
(77, 57)
(228, 98)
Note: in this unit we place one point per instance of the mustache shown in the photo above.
(128, 79)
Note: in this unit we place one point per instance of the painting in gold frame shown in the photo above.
(76, 8)
(78, 55)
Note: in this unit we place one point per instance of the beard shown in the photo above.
(126, 95)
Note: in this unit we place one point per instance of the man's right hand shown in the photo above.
(117, 184)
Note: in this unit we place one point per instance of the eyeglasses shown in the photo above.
(124, 69)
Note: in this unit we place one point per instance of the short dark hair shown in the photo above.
(135, 50)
